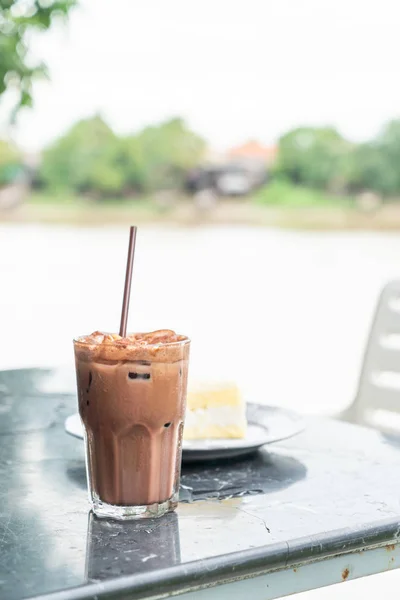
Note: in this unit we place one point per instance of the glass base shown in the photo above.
(123, 513)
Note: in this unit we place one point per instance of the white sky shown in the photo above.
(235, 69)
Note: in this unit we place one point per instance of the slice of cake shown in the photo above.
(215, 411)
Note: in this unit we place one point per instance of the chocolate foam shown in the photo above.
(163, 345)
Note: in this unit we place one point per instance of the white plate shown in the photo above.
(266, 425)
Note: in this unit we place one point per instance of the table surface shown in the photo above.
(331, 489)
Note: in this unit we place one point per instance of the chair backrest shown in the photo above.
(378, 396)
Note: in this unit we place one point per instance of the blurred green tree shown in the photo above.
(132, 164)
(90, 158)
(10, 162)
(17, 19)
(167, 151)
(315, 157)
(375, 165)
(85, 160)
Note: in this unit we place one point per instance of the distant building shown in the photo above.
(253, 151)
(224, 179)
(255, 159)
(234, 173)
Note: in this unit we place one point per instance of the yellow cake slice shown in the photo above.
(215, 411)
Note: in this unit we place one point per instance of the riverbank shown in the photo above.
(186, 214)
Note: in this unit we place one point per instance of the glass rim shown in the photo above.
(78, 340)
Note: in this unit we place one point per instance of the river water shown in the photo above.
(284, 314)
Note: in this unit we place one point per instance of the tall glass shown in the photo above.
(132, 401)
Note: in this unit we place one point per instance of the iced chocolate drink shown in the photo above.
(132, 396)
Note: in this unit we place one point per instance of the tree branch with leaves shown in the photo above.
(18, 18)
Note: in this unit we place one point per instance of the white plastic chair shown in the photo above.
(377, 402)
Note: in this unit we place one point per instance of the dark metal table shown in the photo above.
(321, 508)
